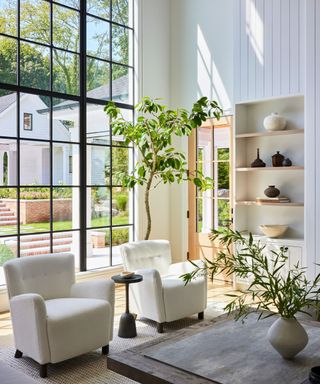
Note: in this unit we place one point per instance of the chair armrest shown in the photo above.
(184, 267)
(99, 289)
(29, 320)
(148, 295)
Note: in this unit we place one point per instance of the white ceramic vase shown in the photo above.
(274, 122)
(288, 337)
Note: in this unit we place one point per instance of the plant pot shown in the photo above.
(272, 191)
(274, 122)
(288, 337)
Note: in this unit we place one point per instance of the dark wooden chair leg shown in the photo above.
(105, 349)
(43, 370)
(18, 354)
(201, 315)
(160, 327)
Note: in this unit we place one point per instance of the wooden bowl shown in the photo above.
(126, 274)
(273, 230)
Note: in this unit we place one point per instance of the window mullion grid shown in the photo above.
(51, 129)
(18, 134)
(110, 136)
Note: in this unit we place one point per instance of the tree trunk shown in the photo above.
(147, 206)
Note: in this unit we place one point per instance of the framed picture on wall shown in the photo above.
(27, 121)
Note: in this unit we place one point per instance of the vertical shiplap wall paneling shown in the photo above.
(259, 42)
(268, 48)
(251, 24)
(270, 35)
(294, 58)
(311, 104)
(276, 44)
(243, 59)
(237, 48)
(302, 44)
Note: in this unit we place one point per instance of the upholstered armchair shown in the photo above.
(162, 296)
(53, 317)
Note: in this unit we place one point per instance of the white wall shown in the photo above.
(154, 64)
(201, 65)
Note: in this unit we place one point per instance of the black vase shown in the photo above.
(272, 191)
(258, 163)
(314, 375)
(287, 162)
(277, 159)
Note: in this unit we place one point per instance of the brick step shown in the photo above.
(6, 213)
(35, 237)
(8, 218)
(45, 243)
(3, 204)
(44, 250)
(8, 222)
(4, 209)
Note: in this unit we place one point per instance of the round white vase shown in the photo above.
(274, 122)
(288, 337)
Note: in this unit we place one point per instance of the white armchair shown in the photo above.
(53, 317)
(162, 296)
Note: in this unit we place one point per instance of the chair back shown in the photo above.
(51, 276)
(147, 254)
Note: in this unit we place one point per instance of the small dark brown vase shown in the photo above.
(272, 191)
(258, 162)
(314, 376)
(277, 159)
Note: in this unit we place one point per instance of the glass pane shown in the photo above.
(8, 162)
(98, 37)
(65, 120)
(99, 204)
(98, 79)
(122, 11)
(8, 60)
(65, 208)
(204, 214)
(65, 164)
(120, 206)
(122, 84)
(121, 45)
(223, 212)
(8, 212)
(34, 66)
(67, 242)
(98, 169)
(199, 215)
(34, 163)
(98, 129)
(65, 72)
(8, 18)
(36, 244)
(119, 236)
(98, 248)
(223, 153)
(99, 8)
(8, 121)
(34, 121)
(223, 179)
(35, 20)
(8, 251)
(66, 28)
(34, 210)
(204, 144)
(70, 3)
(120, 163)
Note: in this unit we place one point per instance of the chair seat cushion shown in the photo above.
(182, 300)
(68, 320)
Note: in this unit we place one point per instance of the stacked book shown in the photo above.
(280, 199)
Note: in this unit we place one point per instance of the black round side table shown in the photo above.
(127, 326)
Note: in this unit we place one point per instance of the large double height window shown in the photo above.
(60, 62)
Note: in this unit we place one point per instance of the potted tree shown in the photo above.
(152, 135)
(272, 289)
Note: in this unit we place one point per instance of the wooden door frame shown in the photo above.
(225, 121)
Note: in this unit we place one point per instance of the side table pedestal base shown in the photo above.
(127, 326)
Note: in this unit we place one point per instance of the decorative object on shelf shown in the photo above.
(273, 286)
(272, 191)
(258, 163)
(274, 122)
(273, 230)
(287, 162)
(279, 199)
(314, 375)
(277, 159)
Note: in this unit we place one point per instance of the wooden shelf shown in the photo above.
(270, 133)
(258, 169)
(254, 203)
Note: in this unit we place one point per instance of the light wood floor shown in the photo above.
(216, 292)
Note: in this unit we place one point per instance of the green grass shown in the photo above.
(62, 225)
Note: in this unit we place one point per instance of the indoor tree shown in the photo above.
(152, 135)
